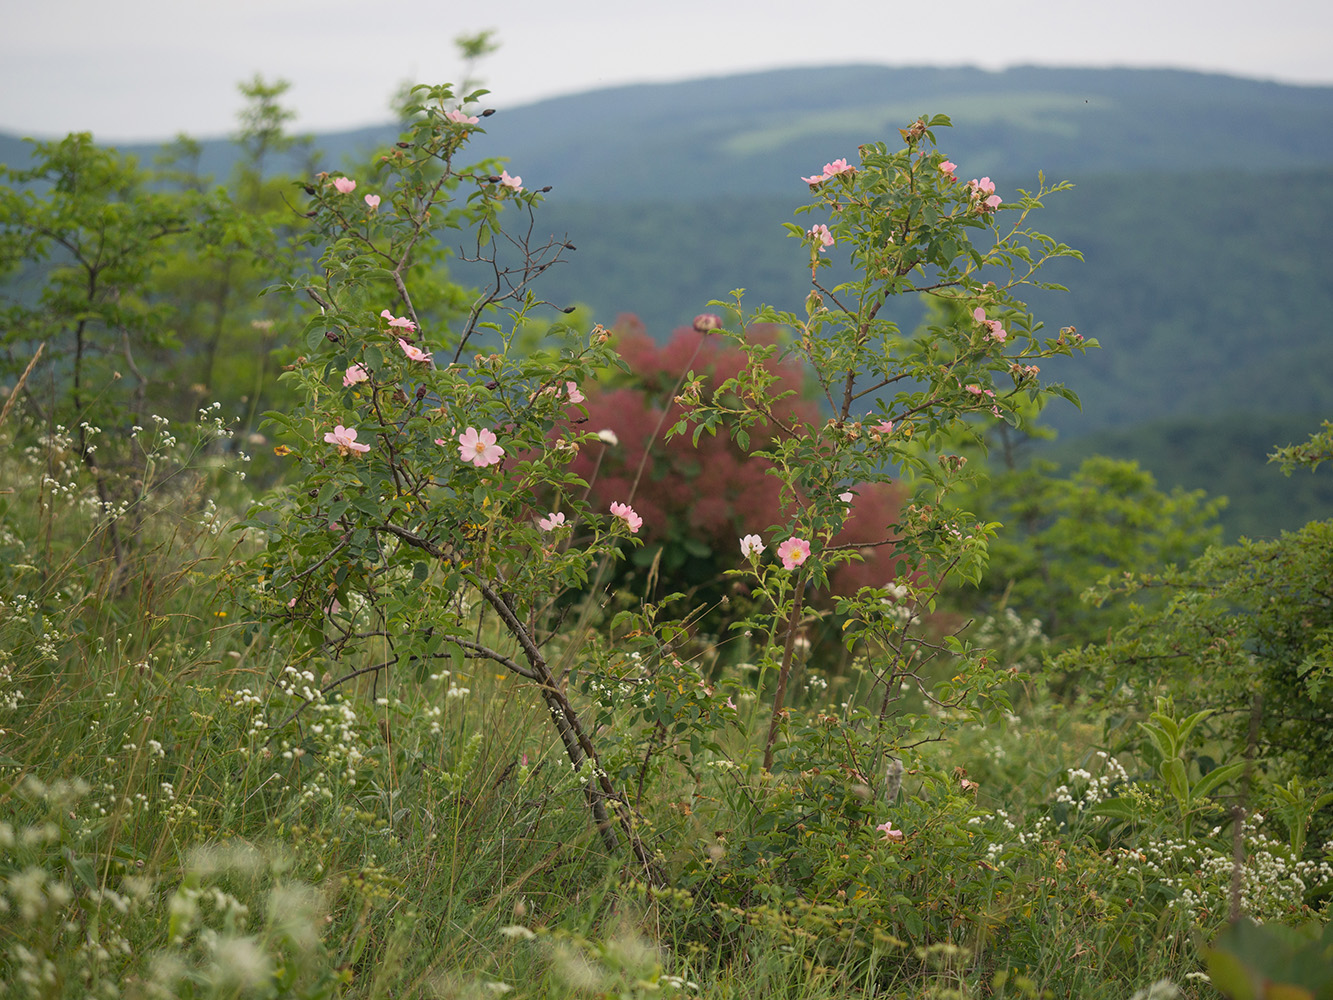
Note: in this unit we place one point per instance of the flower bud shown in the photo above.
(707, 321)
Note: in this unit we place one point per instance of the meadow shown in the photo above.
(394, 633)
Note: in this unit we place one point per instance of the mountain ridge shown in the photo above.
(1198, 202)
(749, 133)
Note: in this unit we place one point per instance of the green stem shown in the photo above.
(787, 649)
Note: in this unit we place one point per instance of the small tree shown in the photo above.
(428, 467)
(87, 238)
(896, 401)
(1245, 630)
(1066, 534)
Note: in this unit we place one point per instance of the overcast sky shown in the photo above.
(148, 69)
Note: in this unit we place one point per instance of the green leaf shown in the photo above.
(1160, 741)
(1177, 781)
(1217, 776)
(1119, 808)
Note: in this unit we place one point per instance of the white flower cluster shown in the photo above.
(333, 730)
(10, 695)
(1093, 790)
(1200, 873)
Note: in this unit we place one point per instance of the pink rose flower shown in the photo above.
(479, 447)
(821, 233)
(830, 170)
(373, 200)
(752, 546)
(511, 182)
(626, 513)
(994, 325)
(459, 117)
(401, 322)
(354, 375)
(344, 438)
(415, 353)
(793, 552)
(985, 186)
(345, 185)
(847, 497)
(883, 427)
(572, 393)
(551, 522)
(947, 168)
(889, 832)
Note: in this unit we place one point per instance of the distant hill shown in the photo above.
(753, 133)
(1201, 204)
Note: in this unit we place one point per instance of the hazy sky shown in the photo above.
(147, 69)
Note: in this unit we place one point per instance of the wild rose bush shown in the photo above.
(421, 469)
(441, 516)
(839, 799)
(898, 403)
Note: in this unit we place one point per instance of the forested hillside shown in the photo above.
(1198, 204)
(749, 134)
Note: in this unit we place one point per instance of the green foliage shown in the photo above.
(1226, 456)
(132, 305)
(1246, 630)
(1317, 450)
(85, 219)
(227, 335)
(1167, 750)
(1067, 534)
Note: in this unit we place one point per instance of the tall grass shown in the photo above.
(187, 808)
